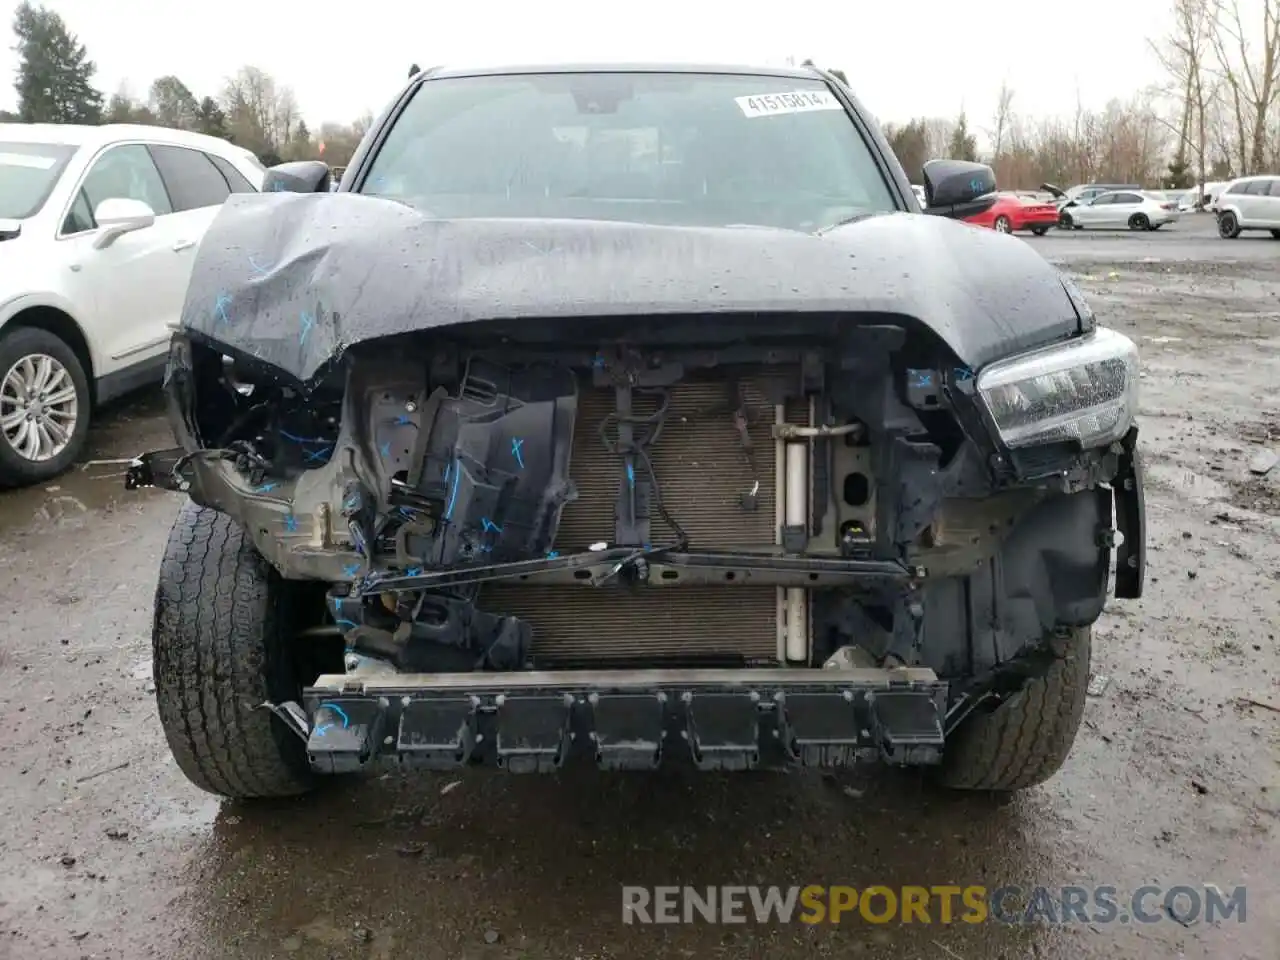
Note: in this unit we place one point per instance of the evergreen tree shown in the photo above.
(210, 119)
(55, 74)
(964, 145)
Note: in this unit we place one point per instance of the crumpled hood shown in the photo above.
(294, 279)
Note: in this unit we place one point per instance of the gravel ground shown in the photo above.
(108, 852)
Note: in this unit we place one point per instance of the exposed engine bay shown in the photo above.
(499, 503)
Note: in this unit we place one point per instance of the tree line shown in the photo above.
(55, 85)
(1215, 116)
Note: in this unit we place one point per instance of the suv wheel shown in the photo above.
(44, 406)
(1228, 226)
(1025, 740)
(220, 647)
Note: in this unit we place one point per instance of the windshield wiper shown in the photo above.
(854, 218)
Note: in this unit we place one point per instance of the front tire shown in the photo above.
(220, 649)
(1228, 226)
(1025, 740)
(44, 406)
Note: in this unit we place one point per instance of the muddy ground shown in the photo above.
(108, 852)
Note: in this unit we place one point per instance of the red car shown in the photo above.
(1013, 212)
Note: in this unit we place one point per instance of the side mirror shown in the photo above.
(958, 188)
(301, 176)
(117, 216)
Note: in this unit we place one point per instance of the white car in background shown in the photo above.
(920, 197)
(1120, 209)
(98, 229)
(1249, 203)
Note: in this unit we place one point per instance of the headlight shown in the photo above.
(1086, 390)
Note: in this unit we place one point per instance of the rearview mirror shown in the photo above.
(300, 176)
(117, 216)
(958, 188)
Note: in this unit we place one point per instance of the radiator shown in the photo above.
(702, 474)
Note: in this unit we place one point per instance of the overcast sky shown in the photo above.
(927, 57)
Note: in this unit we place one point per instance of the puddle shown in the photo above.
(1194, 486)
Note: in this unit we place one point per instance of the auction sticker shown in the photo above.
(795, 101)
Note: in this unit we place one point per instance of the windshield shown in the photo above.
(678, 149)
(28, 172)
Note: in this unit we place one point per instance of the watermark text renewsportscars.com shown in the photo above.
(937, 904)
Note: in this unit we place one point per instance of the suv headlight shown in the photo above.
(1085, 390)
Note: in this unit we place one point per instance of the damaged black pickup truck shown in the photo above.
(622, 416)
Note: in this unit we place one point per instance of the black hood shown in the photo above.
(294, 279)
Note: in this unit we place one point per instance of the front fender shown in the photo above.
(48, 300)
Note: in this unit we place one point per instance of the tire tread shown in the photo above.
(215, 648)
(1025, 740)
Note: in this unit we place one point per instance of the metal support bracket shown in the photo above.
(345, 734)
(726, 732)
(906, 726)
(533, 733)
(629, 729)
(438, 734)
(819, 729)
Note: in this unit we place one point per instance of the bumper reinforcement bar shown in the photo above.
(627, 720)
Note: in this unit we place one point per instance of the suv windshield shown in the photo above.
(28, 172)
(664, 148)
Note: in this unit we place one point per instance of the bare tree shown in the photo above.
(1183, 54)
(1002, 119)
(1251, 75)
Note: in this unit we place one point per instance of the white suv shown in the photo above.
(1249, 203)
(98, 229)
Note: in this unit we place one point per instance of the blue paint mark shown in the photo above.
(296, 439)
(349, 570)
(406, 512)
(349, 624)
(404, 420)
(552, 554)
(322, 729)
(385, 449)
(413, 572)
(486, 548)
(307, 321)
(291, 523)
(337, 604)
(976, 184)
(266, 488)
(258, 270)
(488, 526)
(447, 467)
(316, 456)
(598, 362)
(920, 378)
(962, 374)
(631, 475)
(517, 445)
(351, 502)
(220, 308)
(453, 494)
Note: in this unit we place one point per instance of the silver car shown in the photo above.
(1250, 203)
(1120, 209)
